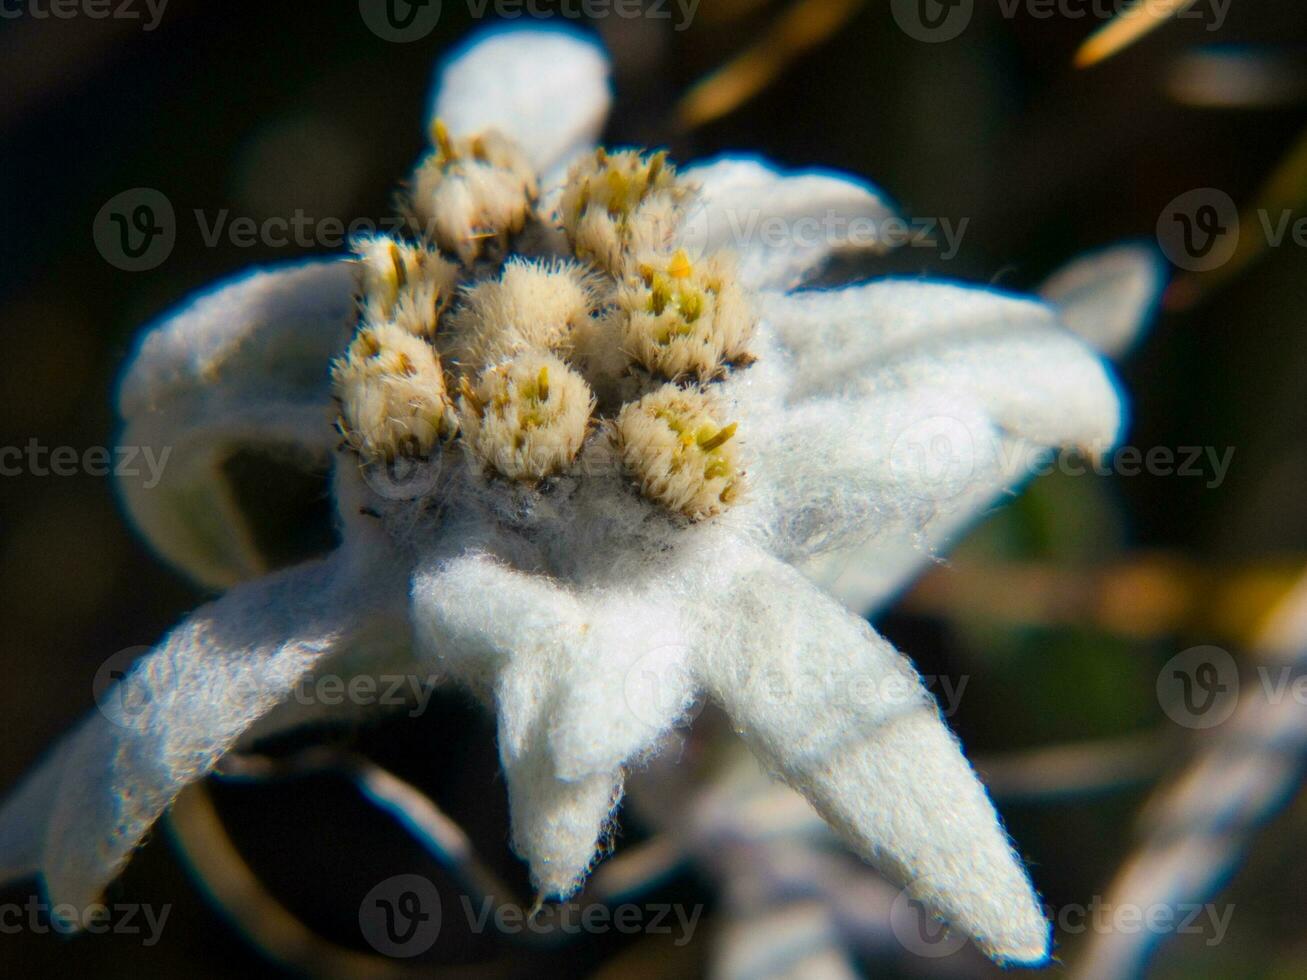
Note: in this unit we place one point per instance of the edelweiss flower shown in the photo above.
(595, 472)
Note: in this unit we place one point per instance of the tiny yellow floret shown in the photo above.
(526, 418)
(392, 394)
(472, 194)
(680, 319)
(681, 456)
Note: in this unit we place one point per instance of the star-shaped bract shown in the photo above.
(590, 622)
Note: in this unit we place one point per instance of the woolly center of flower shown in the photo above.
(518, 337)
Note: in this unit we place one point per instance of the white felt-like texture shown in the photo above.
(825, 702)
(587, 617)
(583, 681)
(244, 364)
(837, 713)
(915, 406)
(1037, 378)
(547, 88)
(781, 226)
(1107, 297)
(175, 714)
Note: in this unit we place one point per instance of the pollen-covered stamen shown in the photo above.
(392, 394)
(678, 318)
(614, 202)
(536, 306)
(472, 193)
(683, 458)
(526, 418)
(406, 283)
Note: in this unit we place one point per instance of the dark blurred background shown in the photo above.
(1060, 610)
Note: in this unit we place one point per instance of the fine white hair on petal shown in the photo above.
(1108, 296)
(841, 716)
(180, 709)
(243, 365)
(582, 683)
(559, 826)
(782, 226)
(953, 396)
(623, 690)
(1035, 379)
(546, 88)
(837, 472)
(867, 575)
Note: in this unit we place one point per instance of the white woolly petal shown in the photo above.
(244, 364)
(510, 634)
(622, 689)
(1038, 380)
(1108, 296)
(867, 575)
(175, 714)
(547, 88)
(473, 615)
(835, 711)
(559, 826)
(582, 682)
(931, 401)
(781, 226)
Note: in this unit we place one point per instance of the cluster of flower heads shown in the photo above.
(515, 332)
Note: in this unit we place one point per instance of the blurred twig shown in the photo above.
(1139, 19)
(1199, 827)
(1059, 771)
(632, 871)
(231, 884)
(1144, 596)
(803, 25)
(1284, 193)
